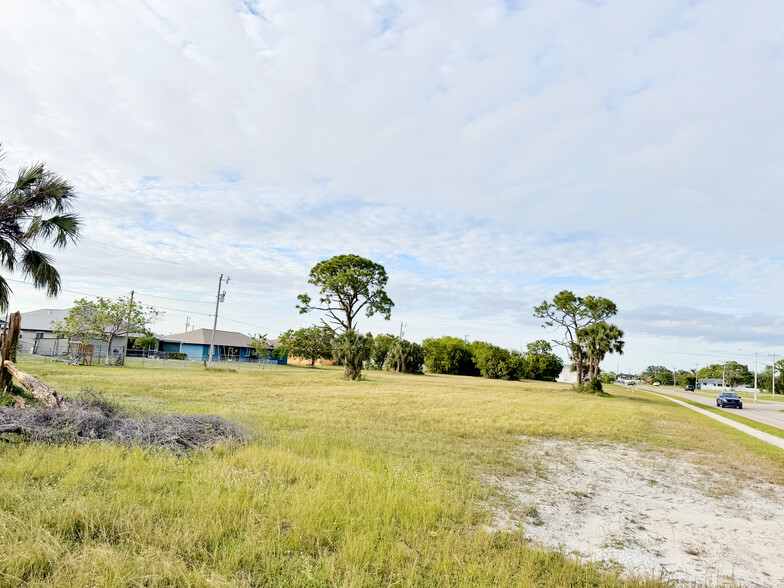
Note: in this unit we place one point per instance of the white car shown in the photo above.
(656, 384)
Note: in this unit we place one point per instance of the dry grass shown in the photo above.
(345, 483)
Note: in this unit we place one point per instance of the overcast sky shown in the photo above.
(488, 154)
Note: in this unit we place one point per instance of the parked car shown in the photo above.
(656, 384)
(729, 400)
(689, 388)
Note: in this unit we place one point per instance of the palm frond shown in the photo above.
(26, 179)
(38, 266)
(7, 254)
(63, 227)
(5, 291)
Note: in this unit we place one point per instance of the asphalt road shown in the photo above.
(764, 411)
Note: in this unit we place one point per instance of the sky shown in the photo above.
(488, 153)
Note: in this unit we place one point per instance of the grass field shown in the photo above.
(371, 483)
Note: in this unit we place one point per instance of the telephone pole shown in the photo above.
(187, 323)
(755, 371)
(773, 373)
(127, 328)
(218, 299)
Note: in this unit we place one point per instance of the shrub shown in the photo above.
(592, 386)
(449, 355)
(178, 356)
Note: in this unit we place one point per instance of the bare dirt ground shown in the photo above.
(669, 515)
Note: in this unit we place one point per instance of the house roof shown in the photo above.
(203, 336)
(44, 319)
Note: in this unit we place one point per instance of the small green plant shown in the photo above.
(593, 386)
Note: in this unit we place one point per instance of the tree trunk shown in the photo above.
(8, 347)
(18, 429)
(37, 388)
(109, 350)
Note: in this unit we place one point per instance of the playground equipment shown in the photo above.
(77, 353)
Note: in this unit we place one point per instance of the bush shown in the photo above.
(492, 362)
(593, 386)
(178, 356)
(449, 355)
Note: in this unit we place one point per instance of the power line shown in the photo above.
(156, 307)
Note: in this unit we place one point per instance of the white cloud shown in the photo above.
(489, 157)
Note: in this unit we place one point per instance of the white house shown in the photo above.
(715, 384)
(567, 376)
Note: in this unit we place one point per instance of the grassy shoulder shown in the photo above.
(374, 482)
(775, 431)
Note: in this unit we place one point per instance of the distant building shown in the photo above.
(37, 331)
(37, 334)
(228, 346)
(715, 384)
(568, 376)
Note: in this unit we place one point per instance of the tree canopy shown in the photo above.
(352, 349)
(597, 340)
(105, 319)
(405, 356)
(34, 209)
(734, 373)
(449, 355)
(311, 343)
(348, 285)
(574, 314)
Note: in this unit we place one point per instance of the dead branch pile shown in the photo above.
(92, 418)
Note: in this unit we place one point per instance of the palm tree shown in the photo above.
(598, 340)
(34, 209)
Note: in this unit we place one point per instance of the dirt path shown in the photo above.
(648, 513)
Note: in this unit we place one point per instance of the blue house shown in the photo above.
(228, 346)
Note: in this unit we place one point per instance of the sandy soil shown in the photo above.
(648, 513)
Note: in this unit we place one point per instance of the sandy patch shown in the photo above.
(648, 513)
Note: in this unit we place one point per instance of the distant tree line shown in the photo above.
(450, 355)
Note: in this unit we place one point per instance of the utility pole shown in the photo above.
(673, 375)
(696, 375)
(127, 328)
(187, 323)
(755, 371)
(401, 329)
(218, 299)
(774, 376)
(723, 367)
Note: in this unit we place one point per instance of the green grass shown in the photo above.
(371, 483)
(775, 431)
